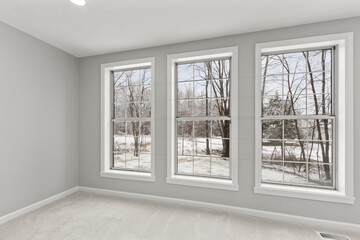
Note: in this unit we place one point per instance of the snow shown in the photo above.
(202, 164)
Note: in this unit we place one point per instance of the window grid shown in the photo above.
(210, 119)
(139, 120)
(316, 118)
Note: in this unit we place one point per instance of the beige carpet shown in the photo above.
(93, 217)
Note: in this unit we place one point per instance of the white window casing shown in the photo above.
(202, 181)
(344, 145)
(107, 115)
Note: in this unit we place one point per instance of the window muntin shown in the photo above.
(132, 119)
(298, 118)
(203, 118)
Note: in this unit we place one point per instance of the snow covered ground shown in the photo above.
(202, 164)
(290, 174)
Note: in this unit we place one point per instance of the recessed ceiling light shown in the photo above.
(79, 2)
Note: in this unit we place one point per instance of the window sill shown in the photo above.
(304, 193)
(203, 182)
(128, 175)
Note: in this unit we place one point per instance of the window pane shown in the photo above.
(185, 108)
(319, 60)
(295, 104)
(119, 128)
(295, 84)
(295, 129)
(120, 110)
(272, 105)
(220, 167)
(185, 90)
(272, 150)
(121, 95)
(220, 148)
(320, 152)
(145, 109)
(120, 79)
(145, 144)
(133, 77)
(220, 129)
(272, 65)
(133, 110)
(321, 174)
(319, 83)
(201, 165)
(319, 104)
(185, 128)
(145, 162)
(220, 88)
(202, 129)
(295, 151)
(132, 161)
(185, 72)
(295, 62)
(272, 172)
(295, 173)
(202, 146)
(119, 137)
(132, 139)
(145, 128)
(272, 85)
(202, 89)
(272, 129)
(220, 69)
(185, 146)
(119, 160)
(145, 76)
(202, 70)
(320, 129)
(201, 107)
(185, 165)
(220, 107)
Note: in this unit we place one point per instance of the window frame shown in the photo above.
(343, 99)
(202, 181)
(107, 123)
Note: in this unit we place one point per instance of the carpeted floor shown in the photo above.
(84, 216)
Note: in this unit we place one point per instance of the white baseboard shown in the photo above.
(245, 211)
(37, 205)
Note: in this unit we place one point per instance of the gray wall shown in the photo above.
(39, 89)
(89, 126)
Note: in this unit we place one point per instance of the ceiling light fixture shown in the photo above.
(79, 2)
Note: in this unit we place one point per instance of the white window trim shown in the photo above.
(106, 116)
(344, 192)
(206, 182)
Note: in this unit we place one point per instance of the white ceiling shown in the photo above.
(105, 26)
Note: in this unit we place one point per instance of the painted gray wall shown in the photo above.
(89, 125)
(38, 120)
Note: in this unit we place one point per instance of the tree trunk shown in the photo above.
(324, 150)
(207, 122)
(292, 102)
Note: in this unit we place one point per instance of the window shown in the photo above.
(301, 107)
(127, 120)
(202, 128)
(298, 118)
